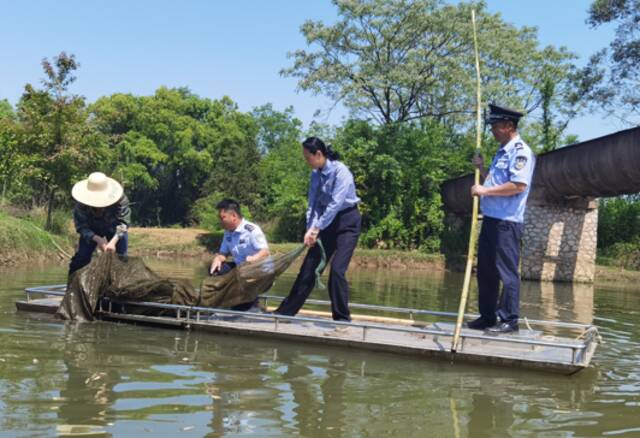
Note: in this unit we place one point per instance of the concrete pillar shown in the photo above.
(559, 241)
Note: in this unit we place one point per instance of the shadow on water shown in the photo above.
(121, 380)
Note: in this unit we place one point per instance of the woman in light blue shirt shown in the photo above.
(333, 217)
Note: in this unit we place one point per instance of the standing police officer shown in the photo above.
(242, 239)
(503, 198)
(333, 217)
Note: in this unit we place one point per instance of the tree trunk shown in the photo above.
(48, 225)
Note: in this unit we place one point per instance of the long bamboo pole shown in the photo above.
(474, 217)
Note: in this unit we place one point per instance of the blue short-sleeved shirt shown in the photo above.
(244, 241)
(331, 190)
(513, 162)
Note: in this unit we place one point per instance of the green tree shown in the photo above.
(619, 231)
(6, 110)
(157, 150)
(174, 148)
(234, 149)
(10, 162)
(562, 95)
(615, 71)
(401, 60)
(283, 173)
(59, 142)
(275, 127)
(398, 171)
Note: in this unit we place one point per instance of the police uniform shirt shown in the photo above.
(246, 240)
(514, 162)
(331, 190)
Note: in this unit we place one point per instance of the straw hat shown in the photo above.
(97, 191)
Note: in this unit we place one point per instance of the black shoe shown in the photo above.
(504, 327)
(480, 324)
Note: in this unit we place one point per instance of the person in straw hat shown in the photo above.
(101, 217)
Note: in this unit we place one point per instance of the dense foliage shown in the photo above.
(619, 231)
(618, 64)
(177, 154)
(403, 68)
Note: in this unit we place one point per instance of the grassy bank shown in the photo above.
(611, 274)
(191, 242)
(23, 239)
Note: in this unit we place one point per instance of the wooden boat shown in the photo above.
(552, 346)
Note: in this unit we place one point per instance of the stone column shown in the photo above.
(559, 241)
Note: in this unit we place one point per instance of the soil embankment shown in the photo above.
(21, 241)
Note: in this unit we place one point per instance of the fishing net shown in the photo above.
(129, 279)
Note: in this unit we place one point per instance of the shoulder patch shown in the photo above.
(521, 161)
(519, 145)
(249, 227)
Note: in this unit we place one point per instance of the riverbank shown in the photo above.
(23, 240)
(192, 242)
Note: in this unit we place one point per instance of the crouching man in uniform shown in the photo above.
(503, 199)
(242, 239)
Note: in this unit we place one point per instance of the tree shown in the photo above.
(175, 148)
(57, 139)
(398, 170)
(234, 149)
(275, 127)
(402, 60)
(618, 66)
(10, 162)
(6, 110)
(283, 174)
(563, 92)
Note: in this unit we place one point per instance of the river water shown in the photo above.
(107, 379)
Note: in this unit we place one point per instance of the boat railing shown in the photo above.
(413, 312)
(190, 314)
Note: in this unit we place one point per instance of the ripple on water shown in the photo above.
(126, 380)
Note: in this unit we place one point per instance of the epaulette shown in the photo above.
(249, 227)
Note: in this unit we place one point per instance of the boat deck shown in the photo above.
(529, 348)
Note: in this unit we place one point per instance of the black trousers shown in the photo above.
(498, 260)
(339, 240)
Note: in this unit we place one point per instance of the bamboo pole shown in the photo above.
(474, 217)
(357, 317)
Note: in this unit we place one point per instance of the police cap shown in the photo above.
(501, 113)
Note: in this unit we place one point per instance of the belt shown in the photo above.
(495, 219)
(348, 209)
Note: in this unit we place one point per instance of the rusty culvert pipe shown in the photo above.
(602, 167)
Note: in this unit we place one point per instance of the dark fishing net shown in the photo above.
(129, 279)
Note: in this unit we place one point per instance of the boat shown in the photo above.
(549, 346)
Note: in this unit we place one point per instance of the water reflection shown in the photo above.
(490, 416)
(87, 394)
(122, 380)
(558, 301)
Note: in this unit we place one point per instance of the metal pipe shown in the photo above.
(601, 167)
(571, 325)
(251, 315)
(364, 326)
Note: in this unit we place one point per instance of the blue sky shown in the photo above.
(216, 48)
